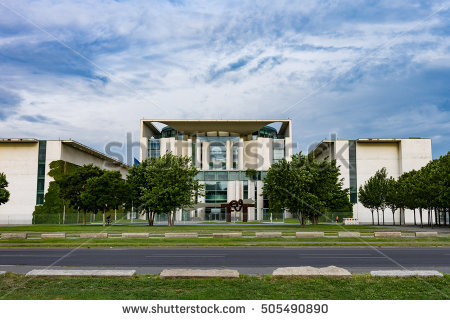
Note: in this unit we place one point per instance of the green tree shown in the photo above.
(73, 184)
(4, 193)
(164, 185)
(392, 196)
(306, 187)
(366, 196)
(104, 192)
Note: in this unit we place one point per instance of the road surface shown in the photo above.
(247, 260)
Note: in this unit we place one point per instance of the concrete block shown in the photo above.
(228, 235)
(330, 271)
(94, 235)
(406, 273)
(182, 235)
(53, 236)
(144, 235)
(426, 234)
(349, 234)
(14, 235)
(198, 274)
(388, 234)
(268, 234)
(80, 273)
(309, 234)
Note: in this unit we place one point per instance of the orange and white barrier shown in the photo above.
(349, 221)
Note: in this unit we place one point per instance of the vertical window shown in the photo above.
(353, 173)
(245, 189)
(278, 149)
(154, 148)
(41, 172)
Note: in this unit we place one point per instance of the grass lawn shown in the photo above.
(203, 228)
(13, 286)
(437, 241)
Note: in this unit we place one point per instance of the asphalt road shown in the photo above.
(257, 260)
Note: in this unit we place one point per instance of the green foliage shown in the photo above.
(105, 191)
(53, 204)
(163, 185)
(251, 173)
(306, 187)
(4, 194)
(427, 188)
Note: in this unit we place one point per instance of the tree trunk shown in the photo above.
(415, 217)
(84, 217)
(115, 214)
(104, 217)
(430, 218)
(383, 216)
(378, 216)
(373, 219)
(170, 219)
(64, 214)
(393, 217)
(421, 220)
(151, 218)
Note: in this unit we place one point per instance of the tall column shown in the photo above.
(198, 154)
(189, 149)
(205, 155)
(229, 158)
(240, 165)
(259, 199)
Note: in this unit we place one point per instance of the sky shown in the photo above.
(90, 70)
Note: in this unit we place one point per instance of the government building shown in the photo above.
(360, 159)
(222, 150)
(26, 163)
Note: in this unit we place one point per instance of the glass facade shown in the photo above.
(266, 132)
(154, 147)
(218, 151)
(352, 165)
(41, 172)
(168, 132)
(228, 175)
(278, 149)
(216, 191)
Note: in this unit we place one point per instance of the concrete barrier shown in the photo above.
(182, 235)
(14, 235)
(143, 235)
(94, 235)
(228, 235)
(80, 273)
(388, 234)
(330, 271)
(406, 273)
(268, 234)
(53, 236)
(309, 234)
(426, 234)
(198, 274)
(349, 234)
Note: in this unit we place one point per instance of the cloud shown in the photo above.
(350, 67)
(8, 103)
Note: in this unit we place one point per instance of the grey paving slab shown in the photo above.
(198, 273)
(406, 273)
(80, 273)
(308, 271)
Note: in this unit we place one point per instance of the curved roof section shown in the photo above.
(241, 127)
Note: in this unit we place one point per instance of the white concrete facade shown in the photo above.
(19, 160)
(369, 155)
(222, 150)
